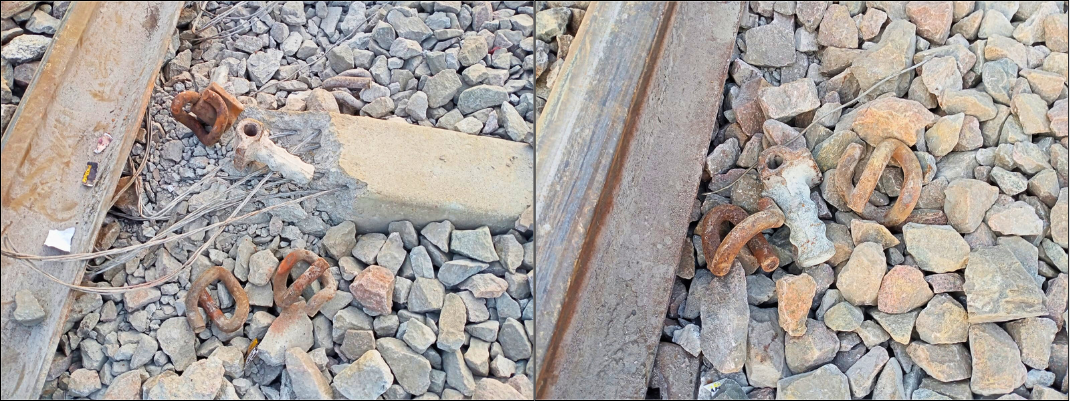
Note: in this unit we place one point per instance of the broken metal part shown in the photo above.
(198, 294)
(286, 296)
(254, 144)
(857, 196)
(747, 231)
(213, 106)
(787, 176)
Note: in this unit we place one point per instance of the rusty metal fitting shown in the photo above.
(213, 106)
(787, 176)
(857, 196)
(254, 144)
(198, 294)
(747, 231)
(318, 268)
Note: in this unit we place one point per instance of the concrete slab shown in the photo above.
(397, 171)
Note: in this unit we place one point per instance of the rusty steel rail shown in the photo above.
(857, 196)
(747, 231)
(204, 299)
(96, 78)
(615, 185)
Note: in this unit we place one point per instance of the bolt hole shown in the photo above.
(774, 162)
(251, 130)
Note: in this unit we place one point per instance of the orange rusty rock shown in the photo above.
(747, 231)
(318, 268)
(213, 106)
(198, 294)
(857, 196)
(374, 289)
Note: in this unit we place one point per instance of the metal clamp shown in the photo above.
(747, 231)
(198, 294)
(787, 176)
(213, 106)
(857, 196)
(318, 268)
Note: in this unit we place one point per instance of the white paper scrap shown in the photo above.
(60, 239)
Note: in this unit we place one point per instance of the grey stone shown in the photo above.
(177, 340)
(305, 378)
(440, 89)
(863, 373)
(456, 271)
(1034, 337)
(451, 323)
(25, 48)
(367, 378)
(28, 310)
(997, 365)
(998, 288)
(824, 383)
(481, 97)
(458, 376)
(262, 66)
(944, 362)
(412, 371)
(816, 347)
(725, 320)
(426, 295)
(514, 340)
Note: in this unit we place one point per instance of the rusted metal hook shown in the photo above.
(213, 106)
(857, 196)
(198, 294)
(747, 231)
(286, 296)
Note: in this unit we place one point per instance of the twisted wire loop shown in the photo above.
(747, 231)
(857, 195)
(198, 294)
(318, 269)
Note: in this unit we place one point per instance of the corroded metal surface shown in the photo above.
(787, 176)
(615, 185)
(95, 78)
(286, 296)
(255, 145)
(198, 295)
(213, 106)
(857, 196)
(747, 231)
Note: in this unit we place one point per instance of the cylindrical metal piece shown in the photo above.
(198, 294)
(285, 296)
(254, 144)
(857, 196)
(787, 177)
(747, 231)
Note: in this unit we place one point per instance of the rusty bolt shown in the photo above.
(787, 176)
(198, 294)
(285, 296)
(857, 196)
(213, 106)
(747, 231)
